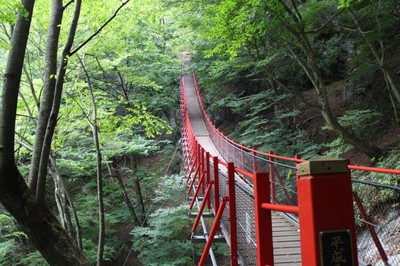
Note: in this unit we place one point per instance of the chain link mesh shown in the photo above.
(382, 216)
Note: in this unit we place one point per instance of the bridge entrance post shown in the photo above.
(263, 220)
(326, 213)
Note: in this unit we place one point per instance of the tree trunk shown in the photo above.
(126, 199)
(310, 67)
(37, 222)
(42, 228)
(393, 88)
(52, 119)
(48, 94)
(326, 110)
(66, 203)
(138, 192)
(139, 198)
(100, 199)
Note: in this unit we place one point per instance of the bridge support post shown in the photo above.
(208, 177)
(263, 220)
(232, 215)
(255, 164)
(203, 169)
(272, 176)
(326, 213)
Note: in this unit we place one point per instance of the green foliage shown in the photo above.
(361, 122)
(391, 161)
(347, 3)
(8, 15)
(7, 251)
(116, 213)
(8, 229)
(34, 258)
(337, 147)
(14, 249)
(90, 248)
(168, 188)
(166, 240)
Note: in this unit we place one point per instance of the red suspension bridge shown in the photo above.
(278, 210)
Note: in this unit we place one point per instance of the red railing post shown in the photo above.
(297, 157)
(326, 213)
(208, 177)
(255, 166)
(263, 220)
(226, 153)
(216, 183)
(199, 164)
(242, 156)
(203, 168)
(272, 176)
(232, 214)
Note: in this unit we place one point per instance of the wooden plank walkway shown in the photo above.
(286, 235)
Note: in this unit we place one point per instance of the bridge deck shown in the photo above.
(286, 235)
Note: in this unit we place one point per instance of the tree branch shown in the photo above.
(69, 3)
(326, 23)
(100, 29)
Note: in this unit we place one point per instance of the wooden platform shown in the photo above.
(286, 235)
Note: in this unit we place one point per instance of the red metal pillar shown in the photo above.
(297, 157)
(232, 214)
(199, 163)
(225, 155)
(255, 164)
(203, 168)
(208, 179)
(242, 155)
(326, 213)
(263, 220)
(216, 183)
(272, 176)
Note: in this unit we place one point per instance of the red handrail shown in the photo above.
(285, 158)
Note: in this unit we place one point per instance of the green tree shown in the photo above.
(27, 205)
(374, 21)
(273, 32)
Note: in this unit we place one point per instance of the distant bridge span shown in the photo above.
(255, 200)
